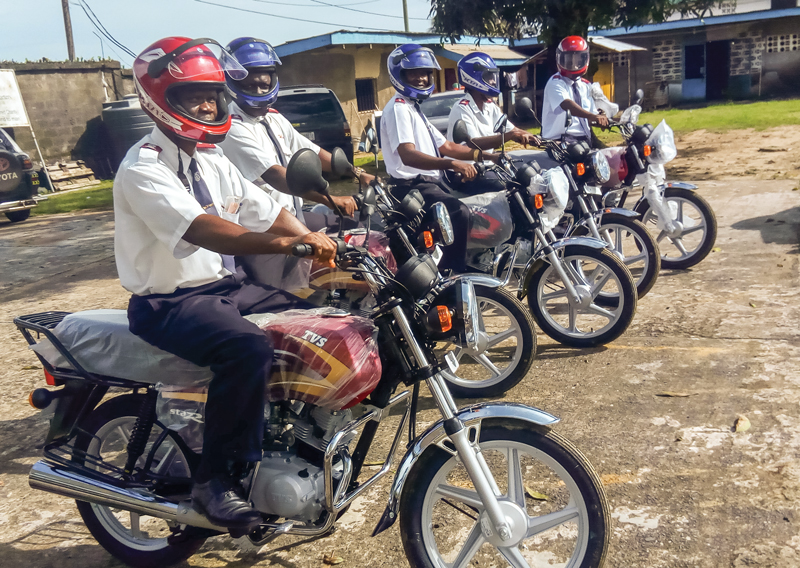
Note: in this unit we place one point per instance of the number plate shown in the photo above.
(309, 135)
(437, 254)
(592, 190)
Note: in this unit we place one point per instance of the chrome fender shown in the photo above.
(682, 185)
(475, 278)
(606, 211)
(539, 258)
(472, 417)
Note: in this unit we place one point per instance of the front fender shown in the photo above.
(472, 417)
(682, 185)
(539, 258)
(605, 213)
(476, 278)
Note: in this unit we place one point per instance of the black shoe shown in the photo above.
(217, 499)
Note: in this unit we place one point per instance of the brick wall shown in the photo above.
(746, 53)
(667, 59)
(64, 101)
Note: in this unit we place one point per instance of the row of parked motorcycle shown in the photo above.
(490, 482)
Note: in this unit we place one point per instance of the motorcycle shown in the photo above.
(682, 222)
(471, 478)
(588, 171)
(506, 344)
(579, 292)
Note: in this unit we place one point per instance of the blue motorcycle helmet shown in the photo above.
(411, 56)
(479, 72)
(257, 56)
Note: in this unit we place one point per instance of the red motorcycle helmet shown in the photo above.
(572, 56)
(173, 64)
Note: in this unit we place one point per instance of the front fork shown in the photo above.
(469, 452)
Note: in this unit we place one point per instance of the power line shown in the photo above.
(361, 11)
(95, 21)
(312, 5)
(290, 18)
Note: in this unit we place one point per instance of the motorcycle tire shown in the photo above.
(704, 220)
(635, 247)
(544, 284)
(18, 216)
(108, 525)
(505, 356)
(440, 513)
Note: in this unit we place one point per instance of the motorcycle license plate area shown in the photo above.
(592, 190)
(437, 254)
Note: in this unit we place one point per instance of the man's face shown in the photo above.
(200, 103)
(420, 79)
(258, 81)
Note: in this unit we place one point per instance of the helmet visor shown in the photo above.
(491, 77)
(191, 60)
(573, 60)
(259, 53)
(260, 81)
(420, 58)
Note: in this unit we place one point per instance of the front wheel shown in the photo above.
(633, 244)
(136, 540)
(18, 216)
(583, 321)
(505, 351)
(553, 500)
(695, 231)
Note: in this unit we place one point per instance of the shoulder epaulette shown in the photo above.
(464, 102)
(399, 100)
(274, 111)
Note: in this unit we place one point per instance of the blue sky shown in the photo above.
(33, 29)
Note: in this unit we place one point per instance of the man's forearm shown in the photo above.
(413, 158)
(576, 110)
(221, 236)
(489, 142)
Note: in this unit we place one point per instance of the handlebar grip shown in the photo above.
(481, 168)
(302, 250)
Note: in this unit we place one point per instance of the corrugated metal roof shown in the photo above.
(504, 56)
(613, 44)
(702, 22)
(346, 37)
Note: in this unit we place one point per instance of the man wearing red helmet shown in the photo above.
(567, 90)
(181, 210)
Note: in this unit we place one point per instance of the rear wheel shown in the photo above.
(582, 322)
(506, 348)
(17, 216)
(134, 539)
(695, 233)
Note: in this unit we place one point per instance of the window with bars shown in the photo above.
(365, 94)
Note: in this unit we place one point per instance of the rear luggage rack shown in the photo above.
(42, 324)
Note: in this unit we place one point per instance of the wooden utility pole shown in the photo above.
(405, 14)
(68, 29)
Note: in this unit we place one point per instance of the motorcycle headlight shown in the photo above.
(443, 224)
(602, 171)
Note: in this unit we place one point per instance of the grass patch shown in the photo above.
(717, 118)
(95, 197)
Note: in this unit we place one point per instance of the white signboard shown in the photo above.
(12, 110)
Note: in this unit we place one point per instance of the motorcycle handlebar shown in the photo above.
(302, 250)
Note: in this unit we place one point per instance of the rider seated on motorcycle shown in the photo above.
(567, 90)
(181, 208)
(414, 150)
(479, 75)
(261, 142)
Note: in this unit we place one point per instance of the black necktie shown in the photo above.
(203, 197)
(428, 126)
(282, 159)
(584, 122)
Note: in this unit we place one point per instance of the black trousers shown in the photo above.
(453, 256)
(204, 325)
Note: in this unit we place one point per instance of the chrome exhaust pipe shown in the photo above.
(59, 480)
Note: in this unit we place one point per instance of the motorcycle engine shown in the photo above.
(289, 485)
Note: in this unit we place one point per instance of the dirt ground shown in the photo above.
(685, 490)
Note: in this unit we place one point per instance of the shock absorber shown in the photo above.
(141, 430)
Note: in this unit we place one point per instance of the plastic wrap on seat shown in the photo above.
(322, 356)
(490, 222)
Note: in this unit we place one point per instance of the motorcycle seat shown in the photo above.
(101, 343)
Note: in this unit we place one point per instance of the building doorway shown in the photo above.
(718, 61)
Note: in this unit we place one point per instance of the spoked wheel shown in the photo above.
(134, 539)
(505, 351)
(585, 321)
(695, 232)
(552, 498)
(633, 244)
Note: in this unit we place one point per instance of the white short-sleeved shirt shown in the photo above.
(557, 90)
(251, 150)
(153, 209)
(401, 123)
(479, 122)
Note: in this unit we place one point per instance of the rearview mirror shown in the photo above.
(460, 132)
(372, 137)
(639, 97)
(339, 164)
(524, 108)
(568, 120)
(500, 125)
(304, 173)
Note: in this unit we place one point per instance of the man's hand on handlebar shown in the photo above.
(324, 247)
(466, 170)
(601, 120)
(345, 203)
(525, 138)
